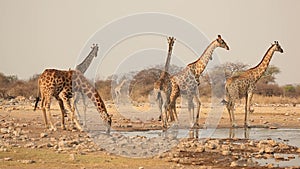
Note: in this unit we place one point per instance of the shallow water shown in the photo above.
(287, 160)
(289, 136)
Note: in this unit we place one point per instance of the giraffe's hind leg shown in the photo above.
(48, 112)
(247, 109)
(230, 108)
(44, 111)
(62, 109)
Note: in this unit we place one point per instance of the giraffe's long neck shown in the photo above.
(80, 83)
(83, 66)
(199, 65)
(167, 65)
(260, 69)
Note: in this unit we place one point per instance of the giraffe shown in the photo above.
(243, 84)
(118, 90)
(162, 85)
(82, 67)
(187, 81)
(62, 85)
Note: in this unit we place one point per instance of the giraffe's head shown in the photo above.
(171, 41)
(107, 119)
(221, 43)
(95, 49)
(277, 47)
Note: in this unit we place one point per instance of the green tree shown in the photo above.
(269, 75)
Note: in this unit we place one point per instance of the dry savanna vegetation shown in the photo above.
(26, 143)
(141, 85)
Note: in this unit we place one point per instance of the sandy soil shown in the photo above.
(22, 116)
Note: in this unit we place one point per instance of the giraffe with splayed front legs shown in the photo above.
(243, 85)
(82, 67)
(62, 85)
(187, 81)
(162, 86)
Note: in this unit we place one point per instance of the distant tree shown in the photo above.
(231, 69)
(289, 90)
(104, 88)
(215, 78)
(213, 81)
(267, 86)
(269, 75)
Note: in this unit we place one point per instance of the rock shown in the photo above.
(272, 127)
(62, 144)
(233, 164)
(29, 145)
(265, 122)
(251, 143)
(3, 149)
(269, 150)
(242, 146)
(270, 165)
(226, 152)
(7, 159)
(43, 135)
(212, 144)
(27, 161)
(225, 147)
(72, 157)
(278, 157)
(261, 151)
(200, 149)
(4, 130)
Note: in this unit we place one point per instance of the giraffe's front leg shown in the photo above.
(67, 103)
(198, 109)
(48, 112)
(191, 110)
(164, 113)
(247, 109)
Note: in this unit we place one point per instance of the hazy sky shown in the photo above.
(41, 34)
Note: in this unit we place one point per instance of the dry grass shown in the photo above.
(258, 99)
(49, 159)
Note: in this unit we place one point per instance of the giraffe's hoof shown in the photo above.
(63, 127)
(159, 118)
(196, 125)
(247, 125)
(53, 129)
(234, 125)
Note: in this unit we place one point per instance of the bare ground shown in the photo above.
(25, 143)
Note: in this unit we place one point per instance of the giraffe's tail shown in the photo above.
(37, 99)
